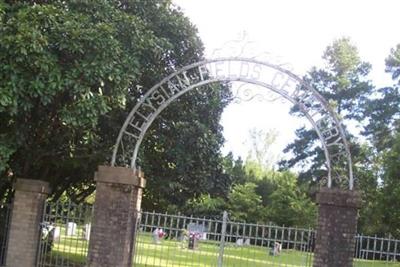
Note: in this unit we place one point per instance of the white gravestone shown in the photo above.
(71, 229)
(204, 236)
(57, 234)
(276, 249)
(239, 242)
(87, 231)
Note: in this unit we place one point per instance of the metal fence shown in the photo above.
(377, 249)
(174, 240)
(5, 215)
(65, 233)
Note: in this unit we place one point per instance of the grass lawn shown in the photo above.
(171, 253)
(71, 252)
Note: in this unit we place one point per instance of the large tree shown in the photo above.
(380, 214)
(383, 111)
(69, 76)
(343, 83)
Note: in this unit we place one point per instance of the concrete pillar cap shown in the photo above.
(120, 175)
(339, 197)
(29, 185)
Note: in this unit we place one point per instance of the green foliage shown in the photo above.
(68, 79)
(380, 176)
(68, 64)
(234, 168)
(206, 206)
(186, 160)
(343, 60)
(271, 196)
(260, 195)
(382, 114)
(245, 204)
(393, 63)
(367, 172)
(290, 205)
(390, 197)
(344, 85)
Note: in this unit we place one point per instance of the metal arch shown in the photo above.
(315, 94)
(134, 157)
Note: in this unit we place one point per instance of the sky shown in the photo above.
(292, 31)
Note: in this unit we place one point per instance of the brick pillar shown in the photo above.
(27, 212)
(337, 226)
(116, 207)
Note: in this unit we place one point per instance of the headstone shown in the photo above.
(87, 231)
(247, 242)
(204, 236)
(239, 242)
(196, 232)
(276, 250)
(57, 234)
(71, 229)
(193, 241)
(196, 228)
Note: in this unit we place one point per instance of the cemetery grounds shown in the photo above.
(68, 250)
(72, 251)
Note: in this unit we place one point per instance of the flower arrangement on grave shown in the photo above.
(158, 234)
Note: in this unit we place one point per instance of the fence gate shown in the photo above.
(174, 240)
(64, 235)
